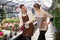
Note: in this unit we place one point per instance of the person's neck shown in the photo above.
(38, 10)
(24, 12)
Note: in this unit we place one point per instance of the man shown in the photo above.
(26, 24)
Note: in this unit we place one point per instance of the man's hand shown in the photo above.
(26, 25)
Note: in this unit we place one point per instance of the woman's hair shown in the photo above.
(36, 5)
(21, 5)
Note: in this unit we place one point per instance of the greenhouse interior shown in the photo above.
(9, 18)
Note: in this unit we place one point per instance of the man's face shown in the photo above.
(24, 9)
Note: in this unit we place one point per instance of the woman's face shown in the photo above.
(35, 9)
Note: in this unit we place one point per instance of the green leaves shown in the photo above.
(7, 20)
(56, 14)
(16, 25)
(2, 14)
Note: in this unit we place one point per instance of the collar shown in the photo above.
(24, 14)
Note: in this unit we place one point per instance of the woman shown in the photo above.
(26, 24)
(41, 17)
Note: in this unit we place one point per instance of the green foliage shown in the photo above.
(58, 1)
(16, 25)
(0, 30)
(57, 35)
(2, 14)
(56, 13)
(7, 20)
(10, 28)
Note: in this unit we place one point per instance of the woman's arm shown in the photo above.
(47, 14)
(49, 21)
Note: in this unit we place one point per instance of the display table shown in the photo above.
(7, 32)
(19, 33)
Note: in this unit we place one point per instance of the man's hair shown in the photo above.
(21, 5)
(36, 5)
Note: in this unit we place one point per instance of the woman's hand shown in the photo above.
(45, 23)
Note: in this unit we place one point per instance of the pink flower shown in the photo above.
(1, 33)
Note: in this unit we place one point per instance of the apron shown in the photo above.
(28, 31)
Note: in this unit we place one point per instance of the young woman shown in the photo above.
(26, 23)
(41, 17)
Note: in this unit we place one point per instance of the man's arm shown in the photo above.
(21, 21)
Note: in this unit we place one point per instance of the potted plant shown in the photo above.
(16, 28)
(1, 33)
(56, 13)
